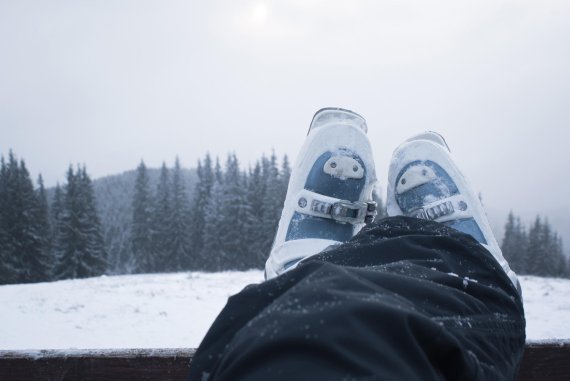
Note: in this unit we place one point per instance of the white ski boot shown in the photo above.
(329, 198)
(424, 182)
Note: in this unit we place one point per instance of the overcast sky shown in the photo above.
(108, 83)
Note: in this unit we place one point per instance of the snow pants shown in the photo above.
(405, 299)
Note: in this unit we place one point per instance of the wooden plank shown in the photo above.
(542, 361)
(546, 361)
(96, 365)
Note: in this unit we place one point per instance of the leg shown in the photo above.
(405, 299)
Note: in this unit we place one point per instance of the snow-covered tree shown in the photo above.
(80, 241)
(27, 230)
(514, 245)
(141, 228)
(254, 239)
(541, 257)
(58, 219)
(559, 261)
(538, 252)
(161, 220)
(23, 230)
(232, 203)
(212, 252)
(8, 269)
(284, 176)
(202, 195)
(95, 262)
(42, 221)
(520, 257)
(179, 226)
(272, 203)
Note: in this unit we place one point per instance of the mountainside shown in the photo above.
(114, 197)
(114, 202)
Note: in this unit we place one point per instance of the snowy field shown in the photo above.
(175, 310)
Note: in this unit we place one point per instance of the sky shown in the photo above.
(108, 83)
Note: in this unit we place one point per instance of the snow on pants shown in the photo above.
(405, 299)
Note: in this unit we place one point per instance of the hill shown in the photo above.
(114, 196)
(114, 201)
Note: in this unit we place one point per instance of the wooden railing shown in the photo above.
(542, 361)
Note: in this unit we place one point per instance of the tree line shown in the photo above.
(537, 250)
(227, 222)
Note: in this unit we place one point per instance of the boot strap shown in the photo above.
(450, 208)
(342, 211)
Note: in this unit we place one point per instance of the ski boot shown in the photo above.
(424, 182)
(329, 198)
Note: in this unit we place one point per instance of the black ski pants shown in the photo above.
(405, 299)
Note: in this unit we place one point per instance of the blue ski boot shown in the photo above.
(329, 198)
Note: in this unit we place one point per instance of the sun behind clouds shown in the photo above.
(259, 13)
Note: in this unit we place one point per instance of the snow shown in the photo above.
(547, 307)
(132, 311)
(175, 310)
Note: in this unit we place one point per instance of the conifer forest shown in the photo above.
(215, 217)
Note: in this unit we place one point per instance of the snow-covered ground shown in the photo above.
(175, 310)
(132, 311)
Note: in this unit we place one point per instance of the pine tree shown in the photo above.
(11, 211)
(202, 195)
(66, 240)
(212, 250)
(534, 263)
(161, 220)
(8, 270)
(271, 204)
(230, 227)
(26, 231)
(95, 261)
(24, 248)
(514, 246)
(58, 220)
(559, 259)
(564, 263)
(542, 257)
(254, 239)
(550, 251)
(3, 233)
(141, 230)
(284, 177)
(218, 175)
(508, 246)
(42, 222)
(82, 252)
(248, 223)
(179, 227)
(520, 259)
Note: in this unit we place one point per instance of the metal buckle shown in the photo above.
(434, 212)
(353, 212)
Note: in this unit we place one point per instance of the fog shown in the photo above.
(108, 83)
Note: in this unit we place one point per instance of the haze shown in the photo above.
(108, 83)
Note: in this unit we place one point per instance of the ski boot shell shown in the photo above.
(329, 197)
(424, 182)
